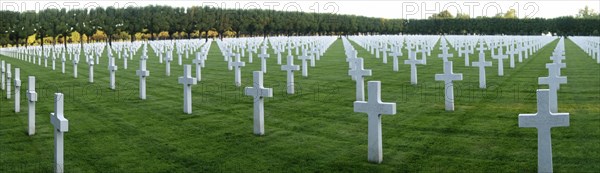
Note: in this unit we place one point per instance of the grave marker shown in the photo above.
(259, 92)
(375, 108)
(544, 120)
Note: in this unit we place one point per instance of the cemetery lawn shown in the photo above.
(314, 130)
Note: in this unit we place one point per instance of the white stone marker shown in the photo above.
(304, 57)
(187, 81)
(112, 68)
(32, 98)
(448, 77)
(8, 81)
(3, 74)
(61, 125)
(263, 58)
(543, 120)
(17, 90)
(500, 57)
(168, 60)
(445, 55)
(511, 55)
(75, 62)
(375, 108)
(91, 69)
(553, 81)
(259, 92)
(143, 73)
(358, 74)
(412, 60)
(237, 65)
(482, 64)
(125, 56)
(62, 60)
(290, 68)
(199, 62)
(395, 53)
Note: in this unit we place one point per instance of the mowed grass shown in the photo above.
(314, 130)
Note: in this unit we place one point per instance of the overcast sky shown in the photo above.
(384, 9)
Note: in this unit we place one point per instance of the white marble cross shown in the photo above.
(187, 81)
(125, 57)
(358, 74)
(553, 81)
(384, 49)
(8, 81)
(63, 59)
(304, 57)
(259, 92)
(375, 108)
(61, 125)
(250, 58)
(168, 60)
(482, 64)
(395, 53)
(198, 62)
(3, 74)
(91, 69)
(112, 69)
(413, 66)
(544, 120)
(445, 55)
(511, 55)
(17, 90)
(142, 73)
(448, 77)
(75, 62)
(424, 54)
(500, 57)
(263, 59)
(290, 68)
(32, 98)
(237, 65)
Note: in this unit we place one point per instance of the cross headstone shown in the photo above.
(544, 120)
(237, 65)
(17, 90)
(482, 64)
(304, 57)
(3, 74)
(448, 76)
(168, 60)
(445, 55)
(290, 68)
(75, 62)
(91, 69)
(259, 92)
(187, 81)
(358, 74)
(249, 50)
(412, 60)
(125, 57)
(143, 73)
(198, 62)
(8, 81)
(395, 53)
(553, 81)
(263, 59)
(375, 108)
(112, 69)
(62, 60)
(61, 125)
(500, 57)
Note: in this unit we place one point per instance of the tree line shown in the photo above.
(197, 22)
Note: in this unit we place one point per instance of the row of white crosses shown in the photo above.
(547, 115)
(590, 45)
(57, 118)
(374, 107)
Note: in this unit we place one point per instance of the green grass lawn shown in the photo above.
(314, 130)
